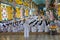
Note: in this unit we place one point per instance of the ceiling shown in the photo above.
(39, 1)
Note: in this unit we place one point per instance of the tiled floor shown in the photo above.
(32, 37)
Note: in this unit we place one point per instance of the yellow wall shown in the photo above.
(0, 13)
(58, 10)
(9, 12)
(18, 13)
(26, 12)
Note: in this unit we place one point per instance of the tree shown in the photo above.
(52, 7)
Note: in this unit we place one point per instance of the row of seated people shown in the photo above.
(34, 25)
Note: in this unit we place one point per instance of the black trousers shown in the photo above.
(53, 32)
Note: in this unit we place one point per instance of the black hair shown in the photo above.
(7, 24)
(35, 23)
(32, 22)
(40, 23)
(4, 26)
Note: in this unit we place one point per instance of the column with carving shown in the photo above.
(14, 12)
(47, 3)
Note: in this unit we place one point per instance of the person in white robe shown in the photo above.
(26, 29)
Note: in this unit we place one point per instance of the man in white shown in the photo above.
(1, 27)
(26, 28)
(39, 26)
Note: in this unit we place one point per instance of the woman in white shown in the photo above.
(43, 25)
(40, 27)
(33, 27)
